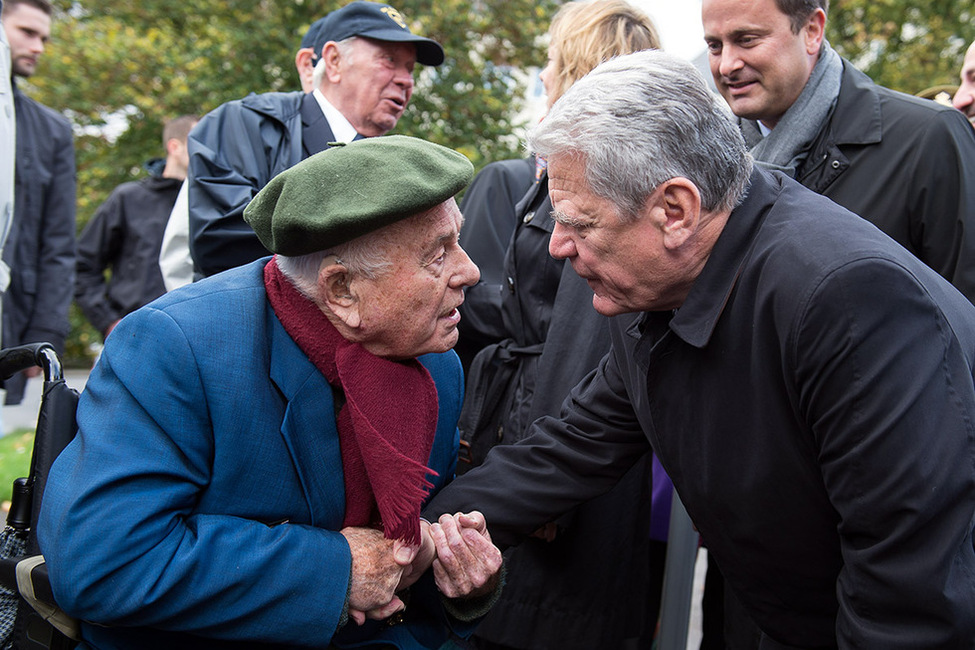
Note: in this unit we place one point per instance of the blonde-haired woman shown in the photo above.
(565, 589)
(585, 34)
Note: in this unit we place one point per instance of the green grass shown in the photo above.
(15, 449)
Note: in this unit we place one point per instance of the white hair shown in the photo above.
(366, 256)
(345, 47)
(644, 118)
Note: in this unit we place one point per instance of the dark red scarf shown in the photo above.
(387, 424)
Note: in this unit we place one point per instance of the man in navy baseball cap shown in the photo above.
(362, 81)
(370, 20)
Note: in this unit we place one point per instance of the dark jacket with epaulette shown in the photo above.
(906, 165)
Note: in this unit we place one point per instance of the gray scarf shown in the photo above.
(787, 145)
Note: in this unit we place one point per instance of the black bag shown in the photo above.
(488, 398)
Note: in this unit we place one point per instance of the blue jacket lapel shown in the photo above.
(308, 427)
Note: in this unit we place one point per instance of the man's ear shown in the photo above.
(678, 210)
(305, 68)
(814, 31)
(332, 58)
(173, 146)
(336, 295)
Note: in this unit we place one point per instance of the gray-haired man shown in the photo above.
(806, 382)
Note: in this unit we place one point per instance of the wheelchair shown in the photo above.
(29, 616)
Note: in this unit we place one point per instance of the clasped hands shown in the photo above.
(466, 564)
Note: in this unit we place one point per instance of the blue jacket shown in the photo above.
(204, 492)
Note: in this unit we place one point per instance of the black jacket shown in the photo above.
(489, 220)
(40, 250)
(813, 401)
(234, 151)
(905, 164)
(124, 236)
(566, 594)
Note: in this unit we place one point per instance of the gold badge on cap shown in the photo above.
(394, 16)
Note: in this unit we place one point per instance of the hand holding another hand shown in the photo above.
(465, 564)
(468, 564)
(378, 568)
(425, 554)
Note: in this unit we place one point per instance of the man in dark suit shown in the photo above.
(364, 59)
(40, 249)
(7, 134)
(805, 381)
(902, 163)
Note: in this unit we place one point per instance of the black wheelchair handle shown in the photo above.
(13, 360)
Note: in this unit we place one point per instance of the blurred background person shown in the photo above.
(363, 82)
(489, 209)
(7, 134)
(175, 261)
(900, 162)
(40, 248)
(125, 234)
(964, 99)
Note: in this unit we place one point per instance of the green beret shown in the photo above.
(350, 190)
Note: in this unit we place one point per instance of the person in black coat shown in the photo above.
(561, 591)
(903, 163)
(489, 219)
(125, 234)
(364, 57)
(40, 249)
(806, 382)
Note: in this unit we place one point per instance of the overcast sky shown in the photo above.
(679, 24)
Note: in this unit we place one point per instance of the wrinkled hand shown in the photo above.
(467, 564)
(378, 565)
(425, 555)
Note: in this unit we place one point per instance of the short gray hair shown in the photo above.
(345, 50)
(366, 256)
(644, 118)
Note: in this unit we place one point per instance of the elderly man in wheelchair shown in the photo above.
(254, 449)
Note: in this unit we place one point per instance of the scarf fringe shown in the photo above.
(399, 482)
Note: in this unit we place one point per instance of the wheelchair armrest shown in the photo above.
(32, 571)
(34, 586)
(17, 572)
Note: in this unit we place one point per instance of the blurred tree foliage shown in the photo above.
(903, 44)
(119, 68)
(134, 64)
